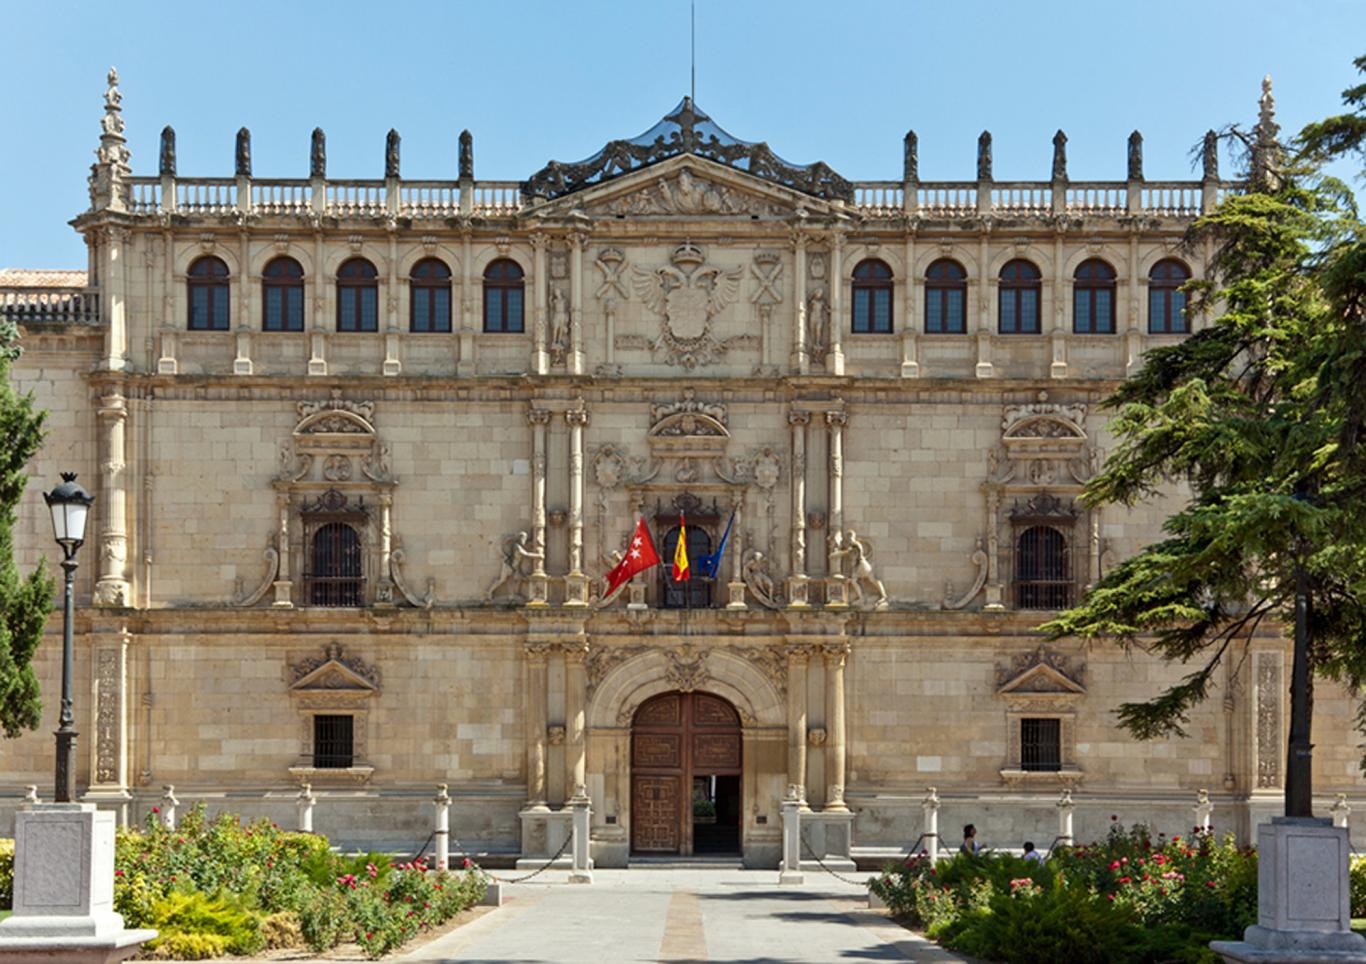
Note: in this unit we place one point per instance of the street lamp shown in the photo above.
(69, 505)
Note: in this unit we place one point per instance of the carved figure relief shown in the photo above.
(758, 581)
(517, 561)
(559, 326)
(818, 324)
(688, 294)
(687, 193)
(850, 555)
(107, 717)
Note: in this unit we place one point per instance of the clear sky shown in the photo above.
(840, 82)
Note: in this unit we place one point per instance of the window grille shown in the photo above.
(335, 578)
(1041, 570)
(1041, 744)
(333, 741)
(696, 592)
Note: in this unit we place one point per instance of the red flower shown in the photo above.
(1109, 896)
(1114, 865)
(118, 873)
(156, 810)
(1126, 880)
(1209, 883)
(467, 863)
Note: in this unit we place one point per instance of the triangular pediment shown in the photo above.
(683, 187)
(333, 672)
(1043, 680)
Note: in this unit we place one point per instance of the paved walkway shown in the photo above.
(676, 915)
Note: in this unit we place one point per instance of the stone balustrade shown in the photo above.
(438, 199)
(49, 305)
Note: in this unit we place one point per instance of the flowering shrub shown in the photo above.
(1131, 898)
(6, 874)
(223, 887)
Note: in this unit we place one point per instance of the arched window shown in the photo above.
(503, 296)
(1041, 571)
(1019, 298)
(208, 291)
(946, 295)
(357, 296)
(335, 576)
(282, 296)
(696, 592)
(430, 285)
(1167, 304)
(872, 301)
(1093, 298)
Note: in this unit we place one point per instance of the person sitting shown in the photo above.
(1031, 854)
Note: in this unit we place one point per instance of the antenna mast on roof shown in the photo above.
(692, 7)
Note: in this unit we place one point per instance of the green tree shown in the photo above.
(1261, 416)
(24, 603)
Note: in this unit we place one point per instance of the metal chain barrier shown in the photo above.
(525, 877)
(833, 873)
(423, 849)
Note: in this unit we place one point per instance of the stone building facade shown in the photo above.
(363, 451)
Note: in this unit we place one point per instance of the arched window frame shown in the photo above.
(504, 297)
(357, 296)
(282, 295)
(696, 593)
(871, 299)
(946, 314)
(208, 292)
(336, 564)
(1043, 570)
(1167, 304)
(1093, 298)
(429, 297)
(1019, 298)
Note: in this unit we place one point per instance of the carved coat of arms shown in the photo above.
(689, 294)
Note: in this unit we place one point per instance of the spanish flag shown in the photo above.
(680, 570)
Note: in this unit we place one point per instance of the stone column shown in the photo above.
(736, 587)
(392, 364)
(536, 655)
(317, 339)
(797, 579)
(984, 289)
(911, 324)
(837, 586)
(1133, 334)
(797, 658)
(540, 357)
(1060, 306)
(800, 360)
(790, 869)
(384, 584)
(283, 586)
(241, 364)
(581, 866)
(834, 359)
(114, 255)
(442, 833)
(836, 654)
(995, 590)
(112, 587)
(576, 354)
(930, 807)
(304, 804)
(470, 322)
(576, 582)
(1065, 809)
(575, 696)
(539, 419)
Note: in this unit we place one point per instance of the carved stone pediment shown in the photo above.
(1041, 673)
(688, 428)
(335, 673)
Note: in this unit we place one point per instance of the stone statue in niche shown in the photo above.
(818, 323)
(559, 325)
(757, 580)
(517, 556)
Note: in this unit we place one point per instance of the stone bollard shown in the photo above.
(790, 870)
(168, 805)
(443, 827)
(1065, 808)
(1341, 811)
(30, 798)
(304, 804)
(581, 870)
(930, 805)
(1203, 811)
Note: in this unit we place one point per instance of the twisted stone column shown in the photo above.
(800, 361)
(836, 654)
(536, 655)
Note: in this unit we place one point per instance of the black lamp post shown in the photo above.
(69, 505)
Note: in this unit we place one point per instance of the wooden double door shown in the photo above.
(685, 775)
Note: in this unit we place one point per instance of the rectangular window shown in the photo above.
(431, 310)
(1009, 300)
(284, 309)
(333, 741)
(862, 312)
(1081, 311)
(882, 311)
(1029, 312)
(208, 307)
(357, 309)
(493, 309)
(934, 311)
(954, 321)
(1041, 744)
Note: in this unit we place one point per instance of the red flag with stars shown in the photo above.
(640, 555)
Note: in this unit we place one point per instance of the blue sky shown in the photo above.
(534, 80)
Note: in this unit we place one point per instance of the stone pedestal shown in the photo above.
(829, 836)
(581, 870)
(544, 832)
(64, 889)
(1303, 897)
(790, 870)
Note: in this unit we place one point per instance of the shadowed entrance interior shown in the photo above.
(685, 776)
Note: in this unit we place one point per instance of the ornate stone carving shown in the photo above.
(243, 598)
(341, 671)
(686, 668)
(816, 736)
(770, 660)
(425, 601)
(517, 557)
(688, 194)
(554, 734)
(243, 153)
(710, 412)
(688, 294)
(1041, 671)
(1269, 746)
(107, 701)
(767, 271)
(759, 581)
(984, 156)
(851, 555)
(337, 468)
(167, 160)
(1045, 505)
(466, 156)
(1044, 420)
(335, 415)
(979, 559)
(910, 157)
(391, 142)
(1209, 156)
(686, 130)
(1136, 156)
(602, 660)
(612, 264)
(317, 154)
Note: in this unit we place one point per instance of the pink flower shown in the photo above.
(156, 810)
(1209, 883)
(1109, 896)
(1114, 865)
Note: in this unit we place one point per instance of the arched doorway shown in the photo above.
(685, 775)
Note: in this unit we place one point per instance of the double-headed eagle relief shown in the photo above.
(689, 294)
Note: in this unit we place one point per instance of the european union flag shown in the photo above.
(709, 563)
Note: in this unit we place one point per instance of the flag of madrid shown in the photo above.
(640, 555)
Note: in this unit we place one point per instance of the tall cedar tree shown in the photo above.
(1261, 416)
(24, 603)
